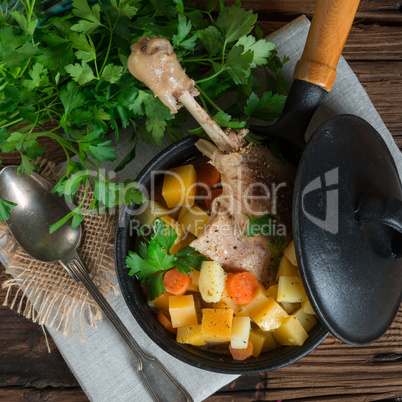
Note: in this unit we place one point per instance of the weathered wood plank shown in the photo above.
(383, 83)
(369, 11)
(24, 357)
(49, 395)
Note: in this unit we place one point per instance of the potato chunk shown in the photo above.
(290, 290)
(260, 300)
(272, 291)
(307, 307)
(290, 253)
(240, 332)
(308, 321)
(262, 341)
(195, 276)
(270, 316)
(161, 302)
(226, 302)
(152, 211)
(193, 219)
(286, 268)
(191, 335)
(211, 282)
(291, 332)
(179, 186)
(216, 324)
(182, 310)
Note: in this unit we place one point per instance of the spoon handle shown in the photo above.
(162, 385)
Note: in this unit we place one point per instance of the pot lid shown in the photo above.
(347, 218)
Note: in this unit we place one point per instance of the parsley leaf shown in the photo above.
(259, 226)
(212, 40)
(154, 260)
(81, 73)
(268, 107)
(187, 258)
(261, 49)
(183, 30)
(5, 209)
(236, 22)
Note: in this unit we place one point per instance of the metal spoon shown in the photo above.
(37, 209)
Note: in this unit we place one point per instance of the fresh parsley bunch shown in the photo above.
(70, 70)
(153, 259)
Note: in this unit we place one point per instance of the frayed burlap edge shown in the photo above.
(44, 292)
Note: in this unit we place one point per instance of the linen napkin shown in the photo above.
(103, 363)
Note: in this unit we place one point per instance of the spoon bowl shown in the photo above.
(30, 221)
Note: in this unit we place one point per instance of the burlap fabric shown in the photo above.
(45, 292)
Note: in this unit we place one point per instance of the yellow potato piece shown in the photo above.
(211, 282)
(290, 253)
(182, 311)
(291, 332)
(194, 275)
(290, 307)
(193, 219)
(179, 186)
(262, 341)
(191, 335)
(152, 211)
(286, 268)
(216, 324)
(161, 302)
(226, 302)
(307, 307)
(240, 332)
(272, 291)
(260, 300)
(308, 321)
(290, 290)
(270, 316)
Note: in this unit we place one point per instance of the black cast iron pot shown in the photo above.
(183, 152)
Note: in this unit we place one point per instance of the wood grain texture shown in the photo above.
(333, 371)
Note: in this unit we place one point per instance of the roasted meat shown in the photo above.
(254, 182)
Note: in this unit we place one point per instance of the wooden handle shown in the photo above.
(328, 32)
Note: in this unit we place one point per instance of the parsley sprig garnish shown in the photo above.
(154, 259)
(65, 78)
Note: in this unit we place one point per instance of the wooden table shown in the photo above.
(334, 370)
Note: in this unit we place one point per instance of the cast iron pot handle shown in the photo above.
(383, 210)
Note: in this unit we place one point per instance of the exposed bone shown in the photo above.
(206, 147)
(209, 125)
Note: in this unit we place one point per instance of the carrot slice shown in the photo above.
(208, 175)
(242, 354)
(211, 196)
(176, 282)
(242, 287)
(165, 321)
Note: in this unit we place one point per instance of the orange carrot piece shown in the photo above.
(242, 287)
(165, 321)
(208, 175)
(211, 196)
(242, 354)
(176, 282)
